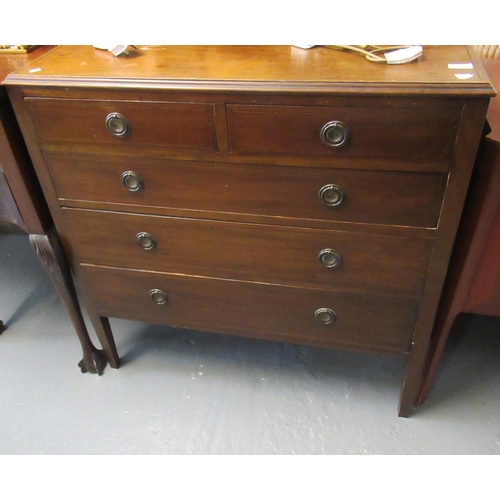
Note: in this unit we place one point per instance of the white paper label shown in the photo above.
(460, 66)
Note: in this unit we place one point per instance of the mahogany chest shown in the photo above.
(272, 192)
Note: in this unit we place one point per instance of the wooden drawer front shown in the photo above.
(176, 125)
(252, 252)
(269, 311)
(373, 132)
(398, 198)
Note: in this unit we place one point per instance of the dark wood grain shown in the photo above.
(374, 132)
(216, 189)
(251, 252)
(268, 311)
(171, 125)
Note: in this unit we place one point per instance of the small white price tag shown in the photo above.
(460, 66)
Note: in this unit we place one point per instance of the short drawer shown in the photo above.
(372, 197)
(343, 131)
(267, 311)
(253, 252)
(123, 123)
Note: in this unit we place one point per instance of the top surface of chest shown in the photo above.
(257, 68)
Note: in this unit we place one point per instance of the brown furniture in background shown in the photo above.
(22, 203)
(272, 192)
(473, 281)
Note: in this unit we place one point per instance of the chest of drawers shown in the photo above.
(307, 197)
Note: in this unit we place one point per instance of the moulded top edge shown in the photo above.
(365, 88)
(257, 68)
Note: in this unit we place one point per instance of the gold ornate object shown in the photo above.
(16, 49)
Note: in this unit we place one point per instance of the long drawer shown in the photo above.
(377, 197)
(252, 252)
(390, 132)
(129, 124)
(267, 311)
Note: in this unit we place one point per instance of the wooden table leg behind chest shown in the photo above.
(22, 204)
(49, 251)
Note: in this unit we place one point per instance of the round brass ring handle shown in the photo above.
(158, 296)
(334, 134)
(331, 195)
(117, 124)
(330, 258)
(325, 316)
(132, 181)
(146, 241)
